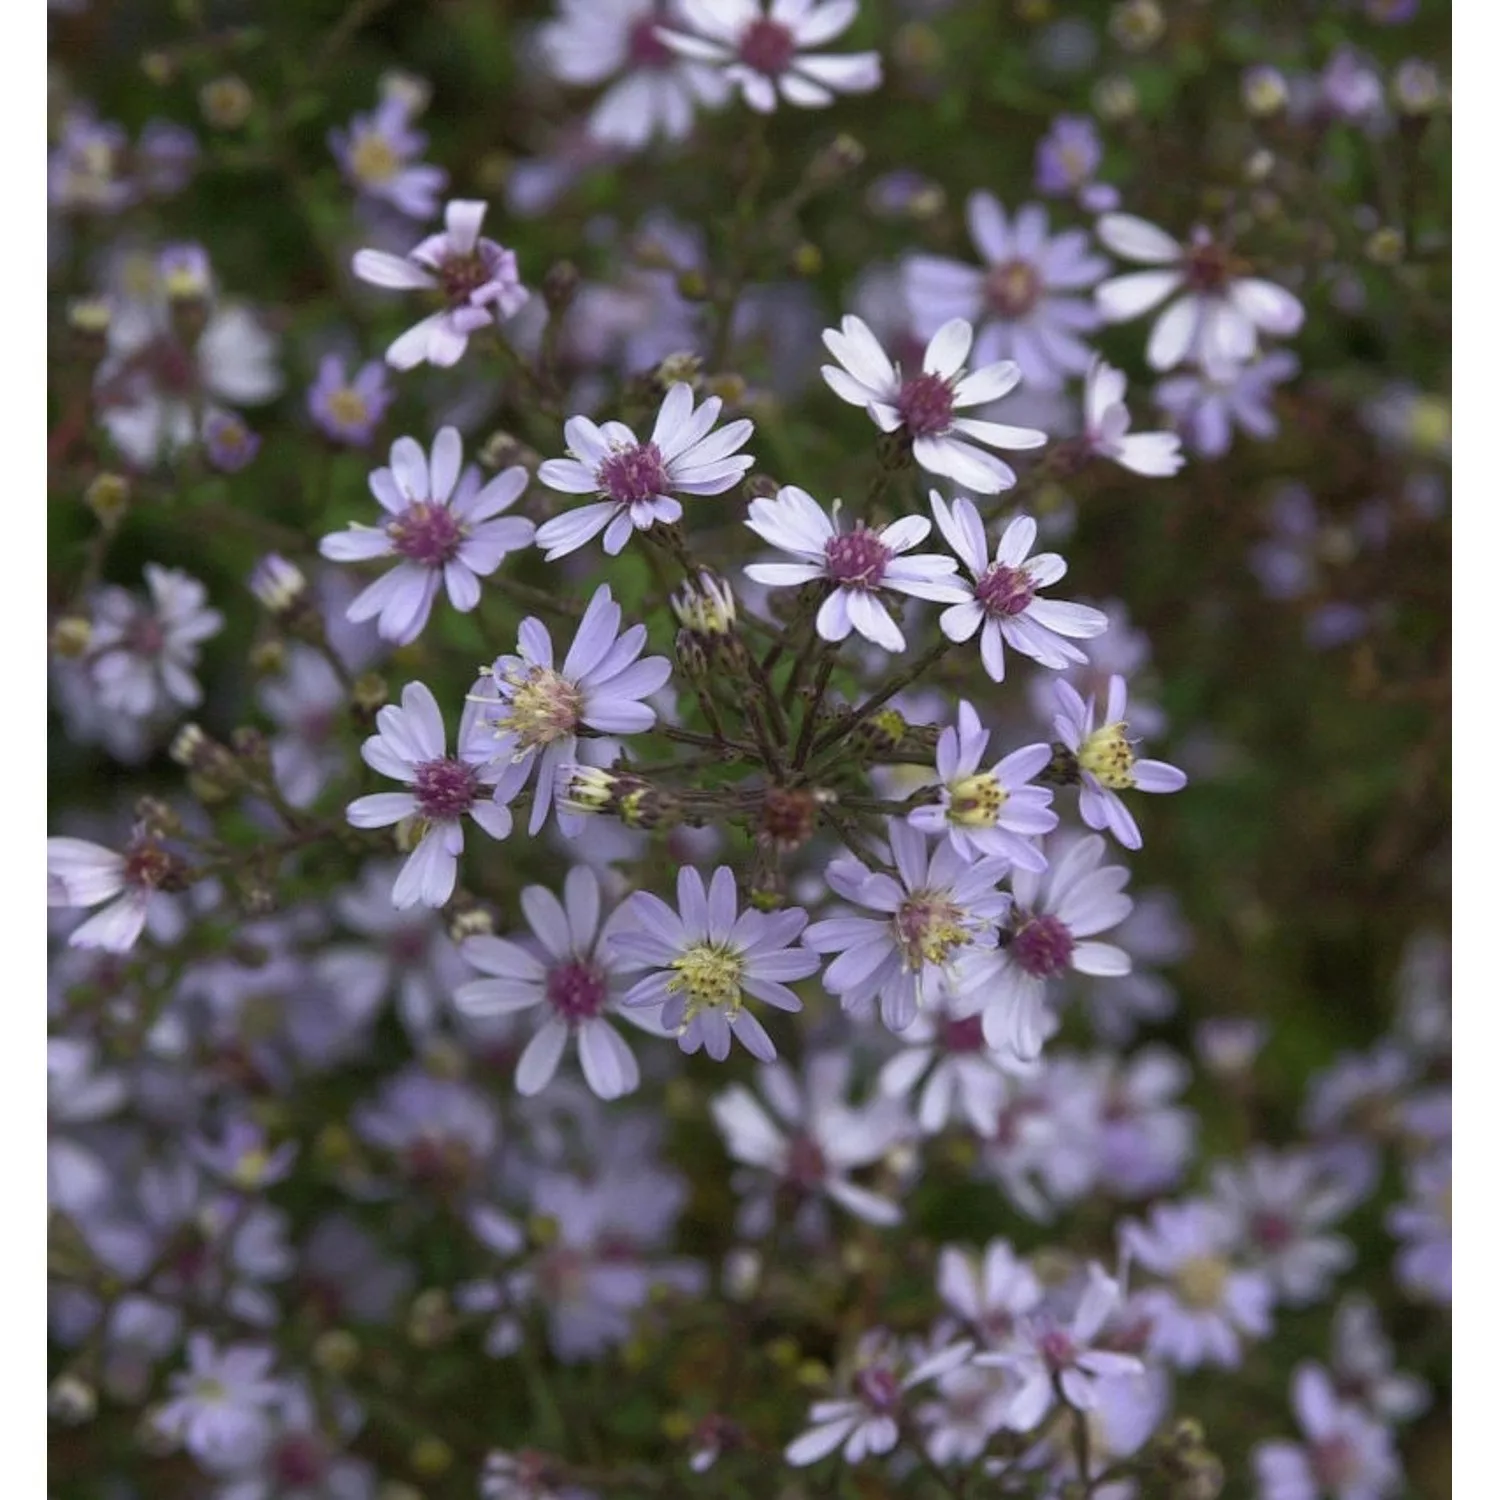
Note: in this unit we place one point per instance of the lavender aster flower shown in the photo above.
(441, 1132)
(859, 565)
(1052, 918)
(349, 410)
(1107, 761)
(656, 92)
(378, 156)
(707, 956)
(306, 702)
(990, 1293)
(988, 812)
(477, 279)
(1425, 1223)
(1364, 1365)
(1217, 310)
(1002, 603)
(575, 977)
(1024, 299)
(924, 406)
(933, 911)
(228, 442)
(1206, 1303)
(867, 1420)
(1207, 406)
(1346, 1456)
(411, 746)
(80, 873)
(637, 482)
(440, 524)
(1048, 1355)
(536, 710)
(760, 49)
(1067, 156)
(220, 1407)
(1107, 428)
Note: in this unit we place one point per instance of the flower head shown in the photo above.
(858, 565)
(570, 972)
(221, 1406)
(1002, 603)
(707, 956)
(80, 873)
(924, 406)
(1345, 1454)
(1024, 300)
(1207, 406)
(637, 482)
(535, 710)
(439, 525)
(476, 278)
(1106, 428)
(348, 410)
(378, 156)
(993, 811)
(1107, 763)
(759, 47)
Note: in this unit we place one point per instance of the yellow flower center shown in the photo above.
(348, 406)
(373, 160)
(929, 929)
(251, 1168)
(709, 975)
(1107, 755)
(1200, 1281)
(975, 801)
(544, 707)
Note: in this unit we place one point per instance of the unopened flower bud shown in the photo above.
(71, 636)
(430, 1320)
(278, 584)
(504, 450)
(410, 91)
(1264, 91)
(1115, 98)
(71, 1400)
(226, 102)
(90, 316)
(108, 496)
(1386, 246)
(336, 1351)
(268, 656)
(1137, 24)
(681, 368)
(789, 816)
(807, 259)
(158, 67)
(431, 1456)
(471, 921)
(1417, 88)
(692, 286)
(369, 693)
(560, 285)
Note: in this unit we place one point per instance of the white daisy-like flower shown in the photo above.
(1002, 602)
(1221, 311)
(759, 48)
(1106, 428)
(654, 90)
(637, 482)
(925, 405)
(859, 564)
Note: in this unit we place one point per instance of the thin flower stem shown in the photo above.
(870, 706)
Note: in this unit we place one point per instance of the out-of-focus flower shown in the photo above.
(706, 956)
(348, 410)
(859, 564)
(1107, 428)
(924, 406)
(1345, 1455)
(1207, 407)
(1364, 1365)
(441, 524)
(1025, 301)
(228, 442)
(761, 50)
(378, 154)
(637, 482)
(220, 1407)
(477, 278)
(1424, 1222)
(1068, 156)
(1217, 310)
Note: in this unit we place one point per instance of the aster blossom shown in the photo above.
(1217, 311)
(1106, 428)
(220, 1407)
(81, 873)
(759, 47)
(378, 154)
(535, 710)
(924, 406)
(655, 91)
(476, 278)
(573, 978)
(440, 523)
(411, 746)
(1206, 407)
(858, 565)
(1025, 301)
(1107, 763)
(1002, 604)
(348, 408)
(707, 956)
(637, 483)
(1344, 1453)
(936, 907)
(1053, 918)
(993, 811)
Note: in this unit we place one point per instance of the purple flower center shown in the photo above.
(426, 533)
(445, 788)
(1042, 945)
(857, 559)
(633, 474)
(1207, 266)
(646, 49)
(806, 1166)
(299, 1460)
(768, 47)
(462, 274)
(1013, 288)
(146, 864)
(878, 1388)
(1005, 591)
(1335, 1463)
(926, 405)
(963, 1034)
(1056, 1347)
(1272, 1231)
(576, 990)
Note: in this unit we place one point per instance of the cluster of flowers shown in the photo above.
(914, 855)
